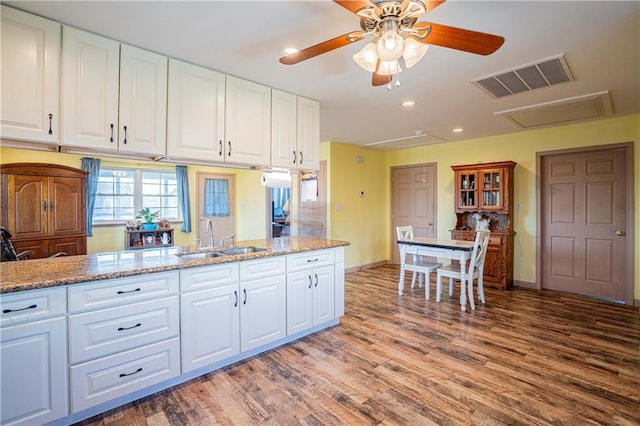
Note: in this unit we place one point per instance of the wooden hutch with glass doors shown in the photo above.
(485, 191)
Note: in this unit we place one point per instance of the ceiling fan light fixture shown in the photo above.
(413, 52)
(367, 57)
(390, 46)
(389, 68)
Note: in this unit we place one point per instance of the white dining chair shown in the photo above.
(419, 265)
(474, 271)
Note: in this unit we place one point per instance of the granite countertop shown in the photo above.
(43, 273)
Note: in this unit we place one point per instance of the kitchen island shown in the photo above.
(93, 332)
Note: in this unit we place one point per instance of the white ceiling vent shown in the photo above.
(539, 74)
(562, 111)
(404, 142)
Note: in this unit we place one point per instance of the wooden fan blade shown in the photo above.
(460, 39)
(354, 5)
(320, 48)
(380, 80)
(430, 5)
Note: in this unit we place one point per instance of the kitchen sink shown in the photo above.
(200, 255)
(241, 250)
(227, 252)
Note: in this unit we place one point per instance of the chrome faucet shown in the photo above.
(210, 231)
(228, 237)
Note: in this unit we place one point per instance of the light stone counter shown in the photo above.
(43, 273)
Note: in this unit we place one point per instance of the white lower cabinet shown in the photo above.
(310, 290)
(262, 312)
(210, 315)
(33, 357)
(123, 337)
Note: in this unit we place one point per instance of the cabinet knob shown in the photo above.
(620, 233)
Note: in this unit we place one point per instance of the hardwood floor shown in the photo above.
(525, 358)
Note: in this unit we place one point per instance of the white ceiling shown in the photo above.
(600, 41)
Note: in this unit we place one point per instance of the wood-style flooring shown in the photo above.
(524, 358)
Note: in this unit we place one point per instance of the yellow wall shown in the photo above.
(251, 210)
(360, 220)
(519, 147)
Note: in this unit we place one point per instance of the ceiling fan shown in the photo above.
(396, 33)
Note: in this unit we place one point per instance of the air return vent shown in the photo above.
(562, 111)
(542, 73)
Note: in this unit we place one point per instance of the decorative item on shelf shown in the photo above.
(132, 225)
(165, 238)
(148, 217)
(164, 223)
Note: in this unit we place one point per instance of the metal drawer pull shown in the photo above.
(312, 260)
(316, 280)
(50, 121)
(6, 311)
(235, 293)
(310, 282)
(131, 374)
(129, 328)
(128, 291)
(245, 296)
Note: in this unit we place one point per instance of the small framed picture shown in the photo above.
(149, 240)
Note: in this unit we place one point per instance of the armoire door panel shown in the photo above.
(27, 206)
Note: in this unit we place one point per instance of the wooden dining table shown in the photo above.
(434, 247)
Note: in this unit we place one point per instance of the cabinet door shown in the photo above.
(90, 68)
(495, 262)
(27, 206)
(195, 112)
(247, 122)
(299, 301)
(30, 77)
(466, 190)
(72, 246)
(492, 192)
(210, 326)
(263, 312)
(323, 295)
(143, 101)
(308, 134)
(66, 206)
(284, 125)
(34, 372)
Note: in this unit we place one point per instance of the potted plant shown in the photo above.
(148, 217)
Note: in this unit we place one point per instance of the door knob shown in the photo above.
(620, 233)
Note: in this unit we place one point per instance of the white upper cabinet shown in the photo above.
(110, 104)
(143, 101)
(247, 122)
(195, 120)
(213, 118)
(30, 77)
(295, 132)
(284, 128)
(308, 134)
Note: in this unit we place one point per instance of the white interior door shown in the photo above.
(584, 218)
(413, 202)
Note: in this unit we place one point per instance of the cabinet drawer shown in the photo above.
(301, 261)
(32, 305)
(104, 379)
(102, 294)
(261, 268)
(107, 331)
(209, 276)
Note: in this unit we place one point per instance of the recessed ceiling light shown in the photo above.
(457, 130)
(408, 103)
(418, 132)
(289, 51)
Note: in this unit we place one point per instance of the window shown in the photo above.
(122, 192)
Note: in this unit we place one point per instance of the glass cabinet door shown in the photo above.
(467, 190)
(492, 189)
